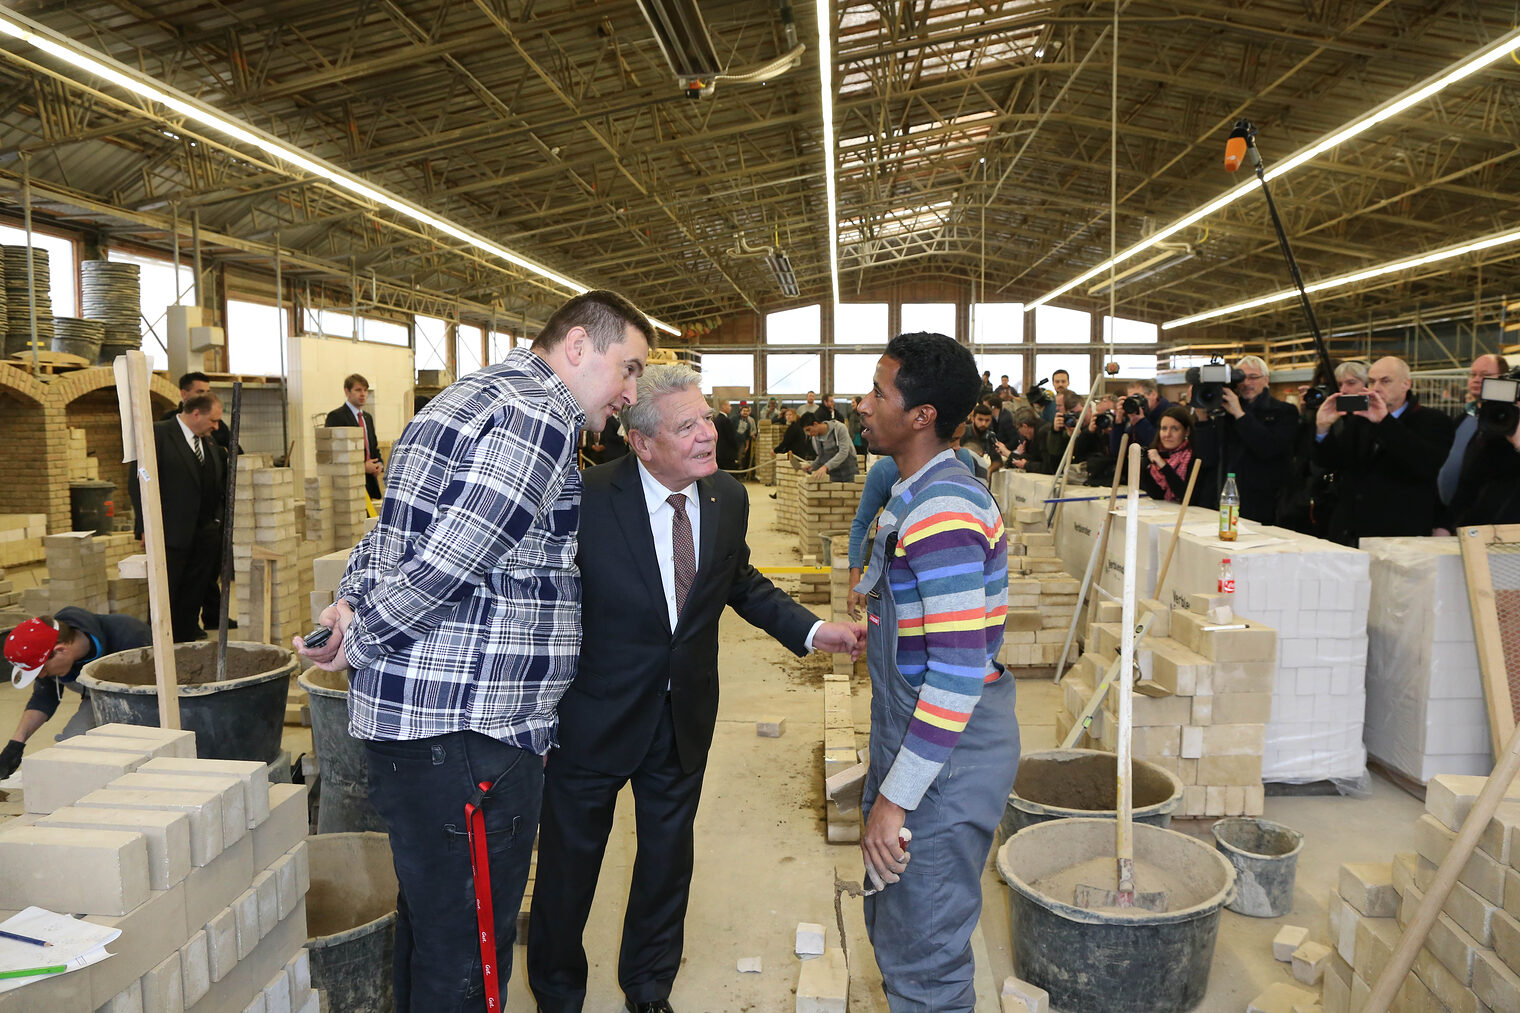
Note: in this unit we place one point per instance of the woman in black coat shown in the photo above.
(1164, 472)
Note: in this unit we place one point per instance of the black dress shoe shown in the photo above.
(655, 1006)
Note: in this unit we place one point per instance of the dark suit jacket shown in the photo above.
(1385, 473)
(343, 415)
(629, 654)
(181, 480)
(221, 434)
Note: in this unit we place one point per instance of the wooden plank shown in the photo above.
(164, 672)
(1475, 543)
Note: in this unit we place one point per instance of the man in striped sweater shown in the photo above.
(944, 737)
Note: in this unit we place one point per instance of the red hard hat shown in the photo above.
(27, 649)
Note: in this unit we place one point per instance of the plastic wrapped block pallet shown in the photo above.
(1425, 708)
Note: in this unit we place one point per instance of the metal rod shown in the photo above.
(279, 305)
(179, 294)
(227, 519)
(31, 269)
(195, 249)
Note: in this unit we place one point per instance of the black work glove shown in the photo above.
(10, 758)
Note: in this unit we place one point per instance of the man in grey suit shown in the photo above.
(833, 451)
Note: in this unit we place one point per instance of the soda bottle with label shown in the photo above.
(1226, 577)
(1229, 510)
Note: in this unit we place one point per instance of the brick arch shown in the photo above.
(22, 383)
(70, 387)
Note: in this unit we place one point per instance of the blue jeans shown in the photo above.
(420, 788)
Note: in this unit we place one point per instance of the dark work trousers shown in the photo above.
(189, 571)
(578, 808)
(211, 602)
(420, 788)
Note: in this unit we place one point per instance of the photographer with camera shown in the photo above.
(1170, 455)
(1242, 429)
(1488, 487)
(1032, 456)
(1484, 367)
(1307, 500)
(1385, 451)
(1141, 412)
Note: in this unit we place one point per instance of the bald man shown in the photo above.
(1385, 458)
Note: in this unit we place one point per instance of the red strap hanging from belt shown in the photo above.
(485, 918)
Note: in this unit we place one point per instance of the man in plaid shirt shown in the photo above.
(459, 618)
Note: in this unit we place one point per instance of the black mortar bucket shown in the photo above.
(351, 915)
(1265, 857)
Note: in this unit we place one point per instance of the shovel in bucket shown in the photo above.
(1125, 895)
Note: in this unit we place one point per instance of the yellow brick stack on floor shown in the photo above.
(788, 498)
(21, 538)
(1201, 704)
(266, 518)
(340, 460)
(76, 567)
(826, 508)
(767, 435)
(1471, 958)
(1042, 596)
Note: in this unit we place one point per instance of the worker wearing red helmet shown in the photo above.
(47, 654)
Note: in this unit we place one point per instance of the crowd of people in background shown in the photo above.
(1381, 464)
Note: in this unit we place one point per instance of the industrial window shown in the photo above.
(860, 323)
(853, 372)
(501, 344)
(1135, 367)
(998, 323)
(999, 363)
(935, 317)
(1054, 325)
(467, 348)
(431, 334)
(1076, 364)
(337, 324)
(789, 374)
(1130, 332)
(724, 369)
(61, 268)
(800, 326)
(255, 338)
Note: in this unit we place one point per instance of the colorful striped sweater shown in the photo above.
(949, 582)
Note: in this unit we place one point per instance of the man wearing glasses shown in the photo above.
(1253, 439)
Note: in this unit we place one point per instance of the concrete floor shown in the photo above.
(763, 864)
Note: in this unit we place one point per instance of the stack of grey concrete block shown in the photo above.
(201, 864)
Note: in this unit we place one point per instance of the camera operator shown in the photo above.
(1060, 380)
(1484, 367)
(1385, 456)
(1092, 426)
(1164, 475)
(1141, 410)
(1250, 435)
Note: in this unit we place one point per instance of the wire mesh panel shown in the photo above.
(1491, 560)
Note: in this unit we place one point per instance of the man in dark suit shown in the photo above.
(352, 413)
(662, 551)
(727, 446)
(1386, 458)
(192, 477)
(192, 385)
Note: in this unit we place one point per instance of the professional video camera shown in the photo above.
(1038, 396)
(1498, 412)
(1209, 383)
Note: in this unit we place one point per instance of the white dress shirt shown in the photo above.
(661, 513)
(190, 438)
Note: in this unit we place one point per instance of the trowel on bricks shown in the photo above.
(1125, 895)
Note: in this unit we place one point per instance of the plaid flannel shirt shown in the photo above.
(466, 594)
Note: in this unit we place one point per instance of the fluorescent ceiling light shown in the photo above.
(1490, 54)
(1435, 256)
(101, 66)
(826, 87)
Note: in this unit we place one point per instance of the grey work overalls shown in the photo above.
(921, 926)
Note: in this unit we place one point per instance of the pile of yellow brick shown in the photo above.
(1201, 703)
(1042, 596)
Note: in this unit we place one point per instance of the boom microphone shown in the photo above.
(1235, 147)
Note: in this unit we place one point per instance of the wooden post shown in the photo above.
(146, 452)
